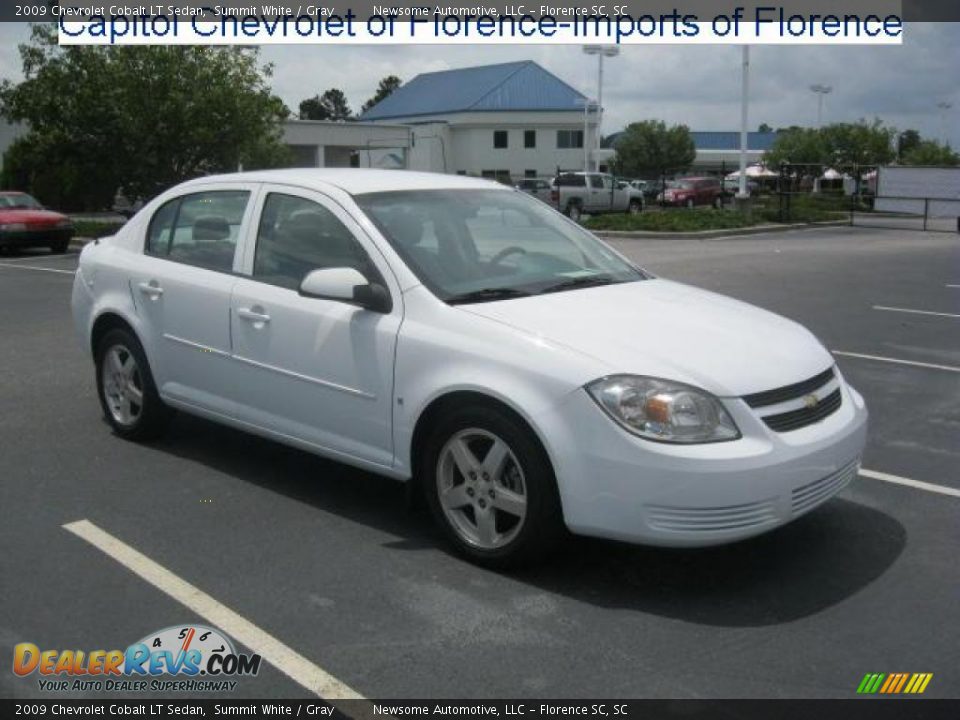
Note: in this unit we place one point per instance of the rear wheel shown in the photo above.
(574, 212)
(126, 389)
(491, 487)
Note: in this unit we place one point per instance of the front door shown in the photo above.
(320, 371)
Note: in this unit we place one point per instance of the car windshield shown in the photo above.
(482, 245)
(679, 185)
(19, 200)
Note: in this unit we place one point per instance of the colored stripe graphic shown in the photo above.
(894, 683)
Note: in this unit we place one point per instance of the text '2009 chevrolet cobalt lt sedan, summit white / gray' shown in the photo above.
(460, 335)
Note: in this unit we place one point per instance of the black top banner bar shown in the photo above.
(80, 10)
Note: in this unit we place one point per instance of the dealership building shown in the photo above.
(505, 121)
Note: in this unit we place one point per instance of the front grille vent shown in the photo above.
(796, 419)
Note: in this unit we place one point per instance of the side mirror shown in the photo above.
(346, 285)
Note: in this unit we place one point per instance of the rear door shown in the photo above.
(181, 287)
(320, 371)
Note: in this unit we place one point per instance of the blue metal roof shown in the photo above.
(717, 140)
(724, 140)
(507, 87)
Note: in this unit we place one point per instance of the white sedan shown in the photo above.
(460, 335)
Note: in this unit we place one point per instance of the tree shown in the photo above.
(907, 141)
(764, 128)
(332, 105)
(384, 89)
(860, 143)
(143, 118)
(932, 153)
(799, 146)
(651, 148)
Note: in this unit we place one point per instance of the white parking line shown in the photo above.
(915, 312)
(285, 659)
(953, 286)
(917, 484)
(932, 366)
(34, 267)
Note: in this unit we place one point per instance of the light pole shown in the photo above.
(820, 90)
(944, 107)
(601, 51)
(588, 105)
(744, 102)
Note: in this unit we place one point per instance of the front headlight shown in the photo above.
(663, 410)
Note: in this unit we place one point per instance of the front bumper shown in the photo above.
(616, 485)
(35, 237)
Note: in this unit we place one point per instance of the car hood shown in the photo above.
(665, 329)
(30, 216)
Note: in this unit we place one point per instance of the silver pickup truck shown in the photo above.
(578, 193)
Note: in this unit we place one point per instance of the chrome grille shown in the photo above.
(796, 419)
(789, 392)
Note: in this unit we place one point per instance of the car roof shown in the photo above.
(356, 181)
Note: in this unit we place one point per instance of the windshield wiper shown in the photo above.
(487, 295)
(580, 282)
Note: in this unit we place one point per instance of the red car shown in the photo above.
(691, 191)
(24, 222)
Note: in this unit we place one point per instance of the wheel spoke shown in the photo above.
(510, 502)
(496, 455)
(463, 457)
(126, 413)
(129, 366)
(114, 360)
(455, 497)
(134, 393)
(487, 528)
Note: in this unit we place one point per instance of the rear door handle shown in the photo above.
(254, 315)
(151, 288)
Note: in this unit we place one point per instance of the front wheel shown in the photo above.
(490, 487)
(59, 247)
(690, 204)
(126, 389)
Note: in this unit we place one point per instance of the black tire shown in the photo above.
(153, 414)
(690, 204)
(635, 207)
(60, 246)
(573, 212)
(543, 524)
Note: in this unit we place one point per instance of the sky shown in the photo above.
(698, 86)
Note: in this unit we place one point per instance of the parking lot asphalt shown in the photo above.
(329, 561)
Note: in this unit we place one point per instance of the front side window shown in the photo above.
(199, 229)
(296, 236)
(474, 245)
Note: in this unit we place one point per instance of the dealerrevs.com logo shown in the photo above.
(187, 658)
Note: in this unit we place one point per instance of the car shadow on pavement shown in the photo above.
(796, 571)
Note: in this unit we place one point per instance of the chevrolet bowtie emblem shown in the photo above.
(810, 401)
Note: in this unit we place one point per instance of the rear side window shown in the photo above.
(199, 229)
(571, 180)
(297, 236)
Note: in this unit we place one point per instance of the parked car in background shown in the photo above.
(540, 189)
(459, 335)
(24, 222)
(576, 193)
(692, 191)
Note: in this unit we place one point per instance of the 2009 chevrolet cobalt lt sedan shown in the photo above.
(463, 336)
